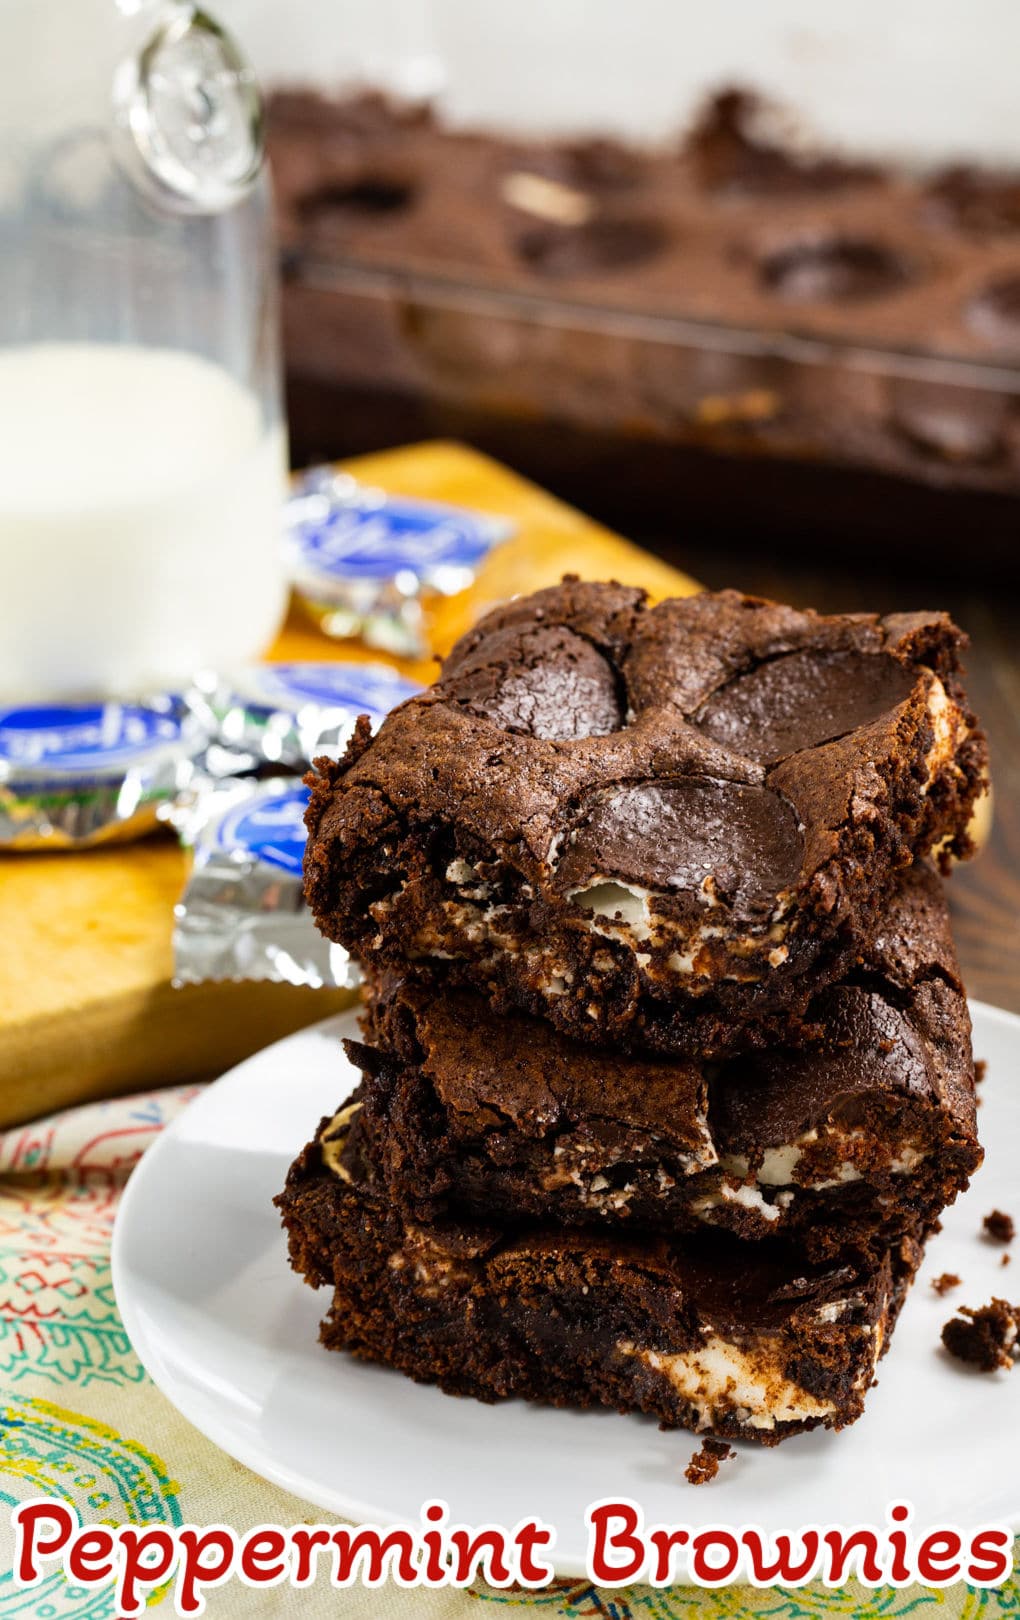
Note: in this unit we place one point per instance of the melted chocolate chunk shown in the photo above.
(870, 1047)
(597, 245)
(542, 681)
(803, 699)
(834, 270)
(715, 1268)
(675, 835)
(995, 313)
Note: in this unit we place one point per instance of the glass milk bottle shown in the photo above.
(142, 450)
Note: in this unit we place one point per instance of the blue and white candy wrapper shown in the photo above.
(284, 715)
(366, 563)
(242, 914)
(77, 774)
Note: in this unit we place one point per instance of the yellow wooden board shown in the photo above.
(86, 1004)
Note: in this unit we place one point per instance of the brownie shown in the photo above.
(988, 1337)
(946, 1282)
(736, 228)
(842, 1141)
(687, 1332)
(620, 318)
(704, 1464)
(999, 1227)
(663, 827)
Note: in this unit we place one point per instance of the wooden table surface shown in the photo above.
(984, 893)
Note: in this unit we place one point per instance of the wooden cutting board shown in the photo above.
(86, 1004)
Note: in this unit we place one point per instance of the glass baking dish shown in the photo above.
(843, 334)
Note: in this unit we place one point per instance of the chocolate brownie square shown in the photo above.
(664, 827)
(860, 1129)
(690, 1332)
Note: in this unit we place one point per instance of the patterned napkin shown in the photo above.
(80, 1419)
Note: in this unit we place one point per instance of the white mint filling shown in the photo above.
(845, 1173)
(721, 1377)
(833, 1310)
(779, 1163)
(614, 905)
(777, 1166)
(331, 1143)
(908, 1158)
(946, 724)
(750, 1197)
(618, 911)
(624, 911)
(460, 872)
(557, 985)
(705, 1155)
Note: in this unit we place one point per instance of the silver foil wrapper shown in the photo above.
(242, 914)
(76, 775)
(366, 564)
(285, 715)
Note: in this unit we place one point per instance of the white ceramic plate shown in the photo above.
(228, 1333)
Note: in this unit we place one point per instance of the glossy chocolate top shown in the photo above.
(720, 753)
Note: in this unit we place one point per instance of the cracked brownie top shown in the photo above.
(620, 816)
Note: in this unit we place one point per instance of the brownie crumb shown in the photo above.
(980, 1070)
(704, 1465)
(947, 1281)
(986, 1338)
(999, 1227)
(1005, 1260)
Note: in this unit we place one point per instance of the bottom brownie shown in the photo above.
(705, 1333)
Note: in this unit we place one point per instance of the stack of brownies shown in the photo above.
(667, 1069)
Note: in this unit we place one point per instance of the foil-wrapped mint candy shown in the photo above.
(242, 914)
(284, 715)
(366, 564)
(77, 774)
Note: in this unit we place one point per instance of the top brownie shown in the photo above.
(660, 826)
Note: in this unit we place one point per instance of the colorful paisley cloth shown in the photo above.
(79, 1419)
